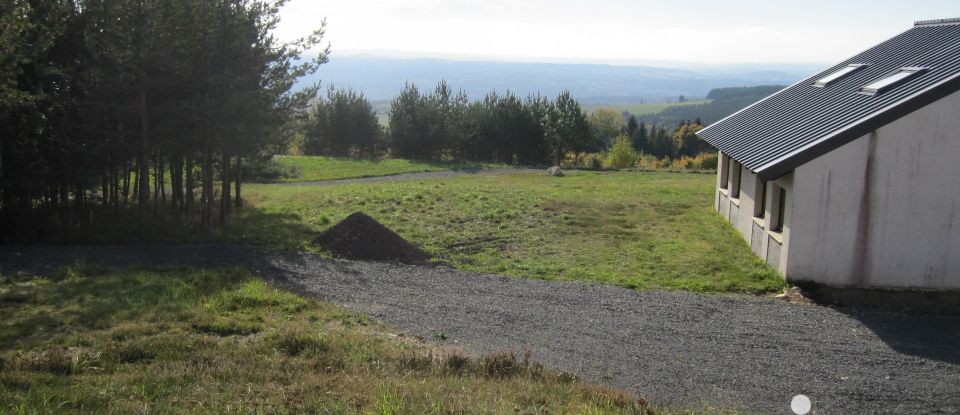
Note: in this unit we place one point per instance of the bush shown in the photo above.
(621, 154)
(683, 163)
(703, 161)
(708, 161)
(592, 161)
(268, 170)
(650, 162)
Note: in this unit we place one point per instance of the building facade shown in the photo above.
(853, 180)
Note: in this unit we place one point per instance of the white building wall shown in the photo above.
(826, 216)
(740, 211)
(883, 210)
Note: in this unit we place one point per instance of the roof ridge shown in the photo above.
(937, 22)
(802, 122)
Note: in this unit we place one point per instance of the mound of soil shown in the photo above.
(361, 237)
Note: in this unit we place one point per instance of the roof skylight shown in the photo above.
(846, 70)
(891, 80)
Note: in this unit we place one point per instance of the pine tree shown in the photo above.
(631, 126)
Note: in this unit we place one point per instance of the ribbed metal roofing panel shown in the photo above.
(803, 121)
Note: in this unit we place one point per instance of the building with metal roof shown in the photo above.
(851, 177)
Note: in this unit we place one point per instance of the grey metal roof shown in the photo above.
(801, 122)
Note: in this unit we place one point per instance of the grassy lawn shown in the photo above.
(185, 340)
(638, 230)
(314, 168)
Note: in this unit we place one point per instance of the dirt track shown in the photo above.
(415, 176)
(676, 348)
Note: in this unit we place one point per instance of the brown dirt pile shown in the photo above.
(361, 237)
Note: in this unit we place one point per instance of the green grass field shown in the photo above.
(185, 340)
(314, 168)
(643, 108)
(88, 340)
(633, 229)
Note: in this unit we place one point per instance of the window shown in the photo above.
(846, 70)
(890, 81)
(724, 165)
(735, 179)
(760, 204)
(780, 208)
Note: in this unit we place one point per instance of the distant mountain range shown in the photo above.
(382, 78)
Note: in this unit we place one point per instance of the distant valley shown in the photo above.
(382, 78)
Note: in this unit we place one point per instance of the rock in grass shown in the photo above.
(361, 237)
(555, 171)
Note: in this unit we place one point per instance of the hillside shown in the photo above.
(382, 78)
(721, 103)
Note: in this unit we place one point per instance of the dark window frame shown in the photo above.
(735, 188)
(760, 204)
(724, 170)
(780, 216)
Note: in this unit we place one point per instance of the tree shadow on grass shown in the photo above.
(76, 299)
(248, 225)
(274, 230)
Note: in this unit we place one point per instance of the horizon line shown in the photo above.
(464, 57)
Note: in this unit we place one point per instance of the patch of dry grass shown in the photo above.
(218, 341)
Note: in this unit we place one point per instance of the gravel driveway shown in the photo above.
(676, 348)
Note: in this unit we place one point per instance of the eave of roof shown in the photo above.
(797, 124)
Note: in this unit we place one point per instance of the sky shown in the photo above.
(610, 31)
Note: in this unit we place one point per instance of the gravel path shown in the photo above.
(676, 348)
(415, 176)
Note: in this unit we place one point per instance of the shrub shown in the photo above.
(268, 170)
(703, 161)
(683, 163)
(594, 162)
(708, 161)
(621, 154)
(649, 162)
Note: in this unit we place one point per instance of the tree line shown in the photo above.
(441, 124)
(658, 141)
(105, 103)
(723, 102)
